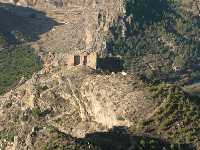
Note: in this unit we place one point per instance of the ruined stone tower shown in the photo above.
(82, 30)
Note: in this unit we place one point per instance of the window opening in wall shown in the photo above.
(85, 60)
(76, 60)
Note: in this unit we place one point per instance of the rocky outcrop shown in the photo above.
(76, 101)
(66, 28)
(192, 6)
(83, 23)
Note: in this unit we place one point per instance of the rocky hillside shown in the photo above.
(78, 108)
(62, 28)
(158, 42)
(82, 24)
(75, 101)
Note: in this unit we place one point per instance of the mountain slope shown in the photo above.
(75, 101)
(159, 44)
(176, 119)
(158, 40)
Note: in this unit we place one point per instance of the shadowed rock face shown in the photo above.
(29, 22)
(84, 23)
(59, 3)
(78, 102)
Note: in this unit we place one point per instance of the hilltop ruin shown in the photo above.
(81, 32)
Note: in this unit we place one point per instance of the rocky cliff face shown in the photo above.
(83, 23)
(75, 101)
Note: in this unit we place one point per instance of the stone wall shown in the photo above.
(88, 59)
(69, 60)
(92, 60)
(82, 27)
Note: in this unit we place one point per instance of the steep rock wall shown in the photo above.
(84, 23)
(78, 102)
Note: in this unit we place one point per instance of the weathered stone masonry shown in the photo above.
(87, 59)
(81, 33)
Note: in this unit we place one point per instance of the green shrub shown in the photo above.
(7, 134)
(17, 62)
(156, 39)
(36, 112)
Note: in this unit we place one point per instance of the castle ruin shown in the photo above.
(83, 26)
